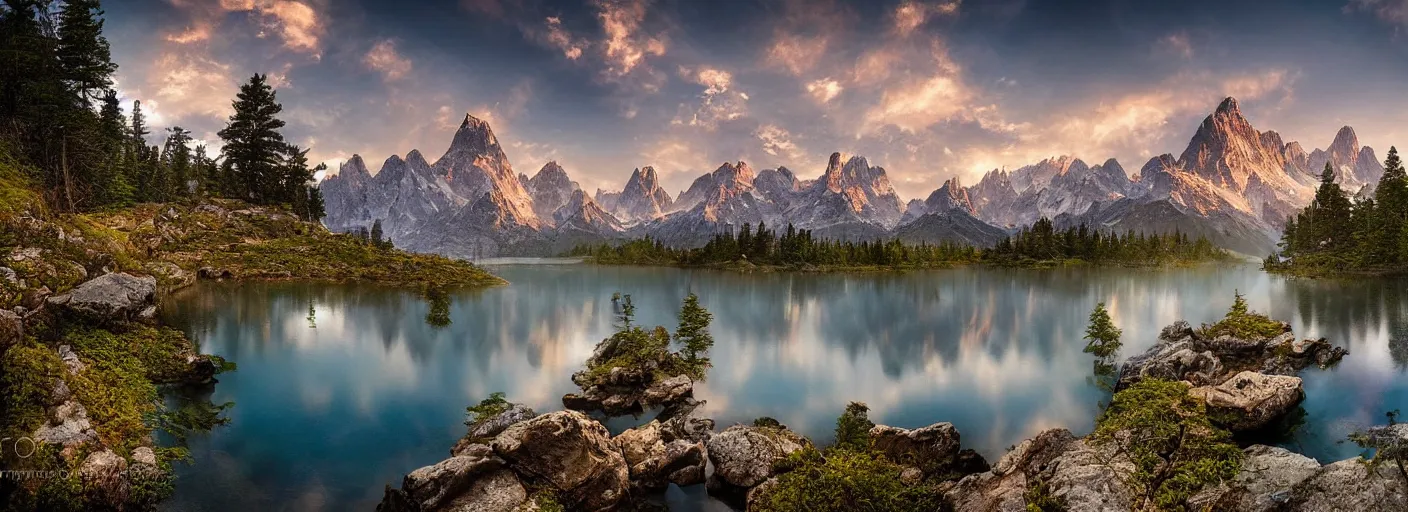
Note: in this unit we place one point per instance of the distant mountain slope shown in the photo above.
(1231, 183)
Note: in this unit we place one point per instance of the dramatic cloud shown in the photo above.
(718, 103)
(558, 37)
(824, 90)
(927, 89)
(798, 54)
(912, 14)
(384, 59)
(626, 46)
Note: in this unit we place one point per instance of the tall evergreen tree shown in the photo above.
(83, 52)
(693, 331)
(254, 148)
(176, 160)
(1102, 337)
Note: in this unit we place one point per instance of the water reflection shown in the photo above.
(326, 416)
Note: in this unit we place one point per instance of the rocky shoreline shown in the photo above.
(568, 461)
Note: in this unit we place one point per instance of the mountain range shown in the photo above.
(1233, 184)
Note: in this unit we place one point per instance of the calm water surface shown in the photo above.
(332, 406)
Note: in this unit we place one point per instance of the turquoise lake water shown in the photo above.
(330, 409)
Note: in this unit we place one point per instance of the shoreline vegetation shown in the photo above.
(1173, 436)
(1348, 233)
(1038, 246)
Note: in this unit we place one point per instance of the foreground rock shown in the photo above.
(1081, 476)
(933, 450)
(657, 459)
(571, 452)
(1250, 400)
(745, 456)
(475, 480)
(108, 300)
(1264, 484)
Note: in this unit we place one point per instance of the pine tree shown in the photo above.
(254, 148)
(83, 52)
(693, 332)
(376, 233)
(853, 427)
(1102, 337)
(176, 161)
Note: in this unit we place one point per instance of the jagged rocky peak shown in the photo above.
(729, 180)
(550, 189)
(354, 169)
(951, 196)
(581, 212)
(1036, 177)
(1345, 148)
(415, 159)
(474, 135)
(643, 199)
(476, 170)
(864, 190)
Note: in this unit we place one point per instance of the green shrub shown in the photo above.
(30, 371)
(1175, 448)
(1241, 322)
(846, 480)
(495, 405)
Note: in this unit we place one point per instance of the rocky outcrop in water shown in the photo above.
(933, 450)
(1183, 353)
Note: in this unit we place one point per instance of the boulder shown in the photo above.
(109, 299)
(1250, 400)
(932, 449)
(686, 426)
(491, 427)
(169, 275)
(476, 480)
(1176, 361)
(1350, 485)
(743, 455)
(11, 329)
(655, 462)
(1003, 488)
(1263, 485)
(1090, 478)
(669, 390)
(102, 474)
(68, 425)
(573, 453)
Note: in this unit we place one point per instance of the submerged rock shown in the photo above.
(109, 299)
(1250, 400)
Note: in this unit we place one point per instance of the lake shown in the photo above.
(334, 402)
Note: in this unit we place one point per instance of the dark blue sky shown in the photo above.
(928, 89)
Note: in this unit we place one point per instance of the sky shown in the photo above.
(927, 89)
